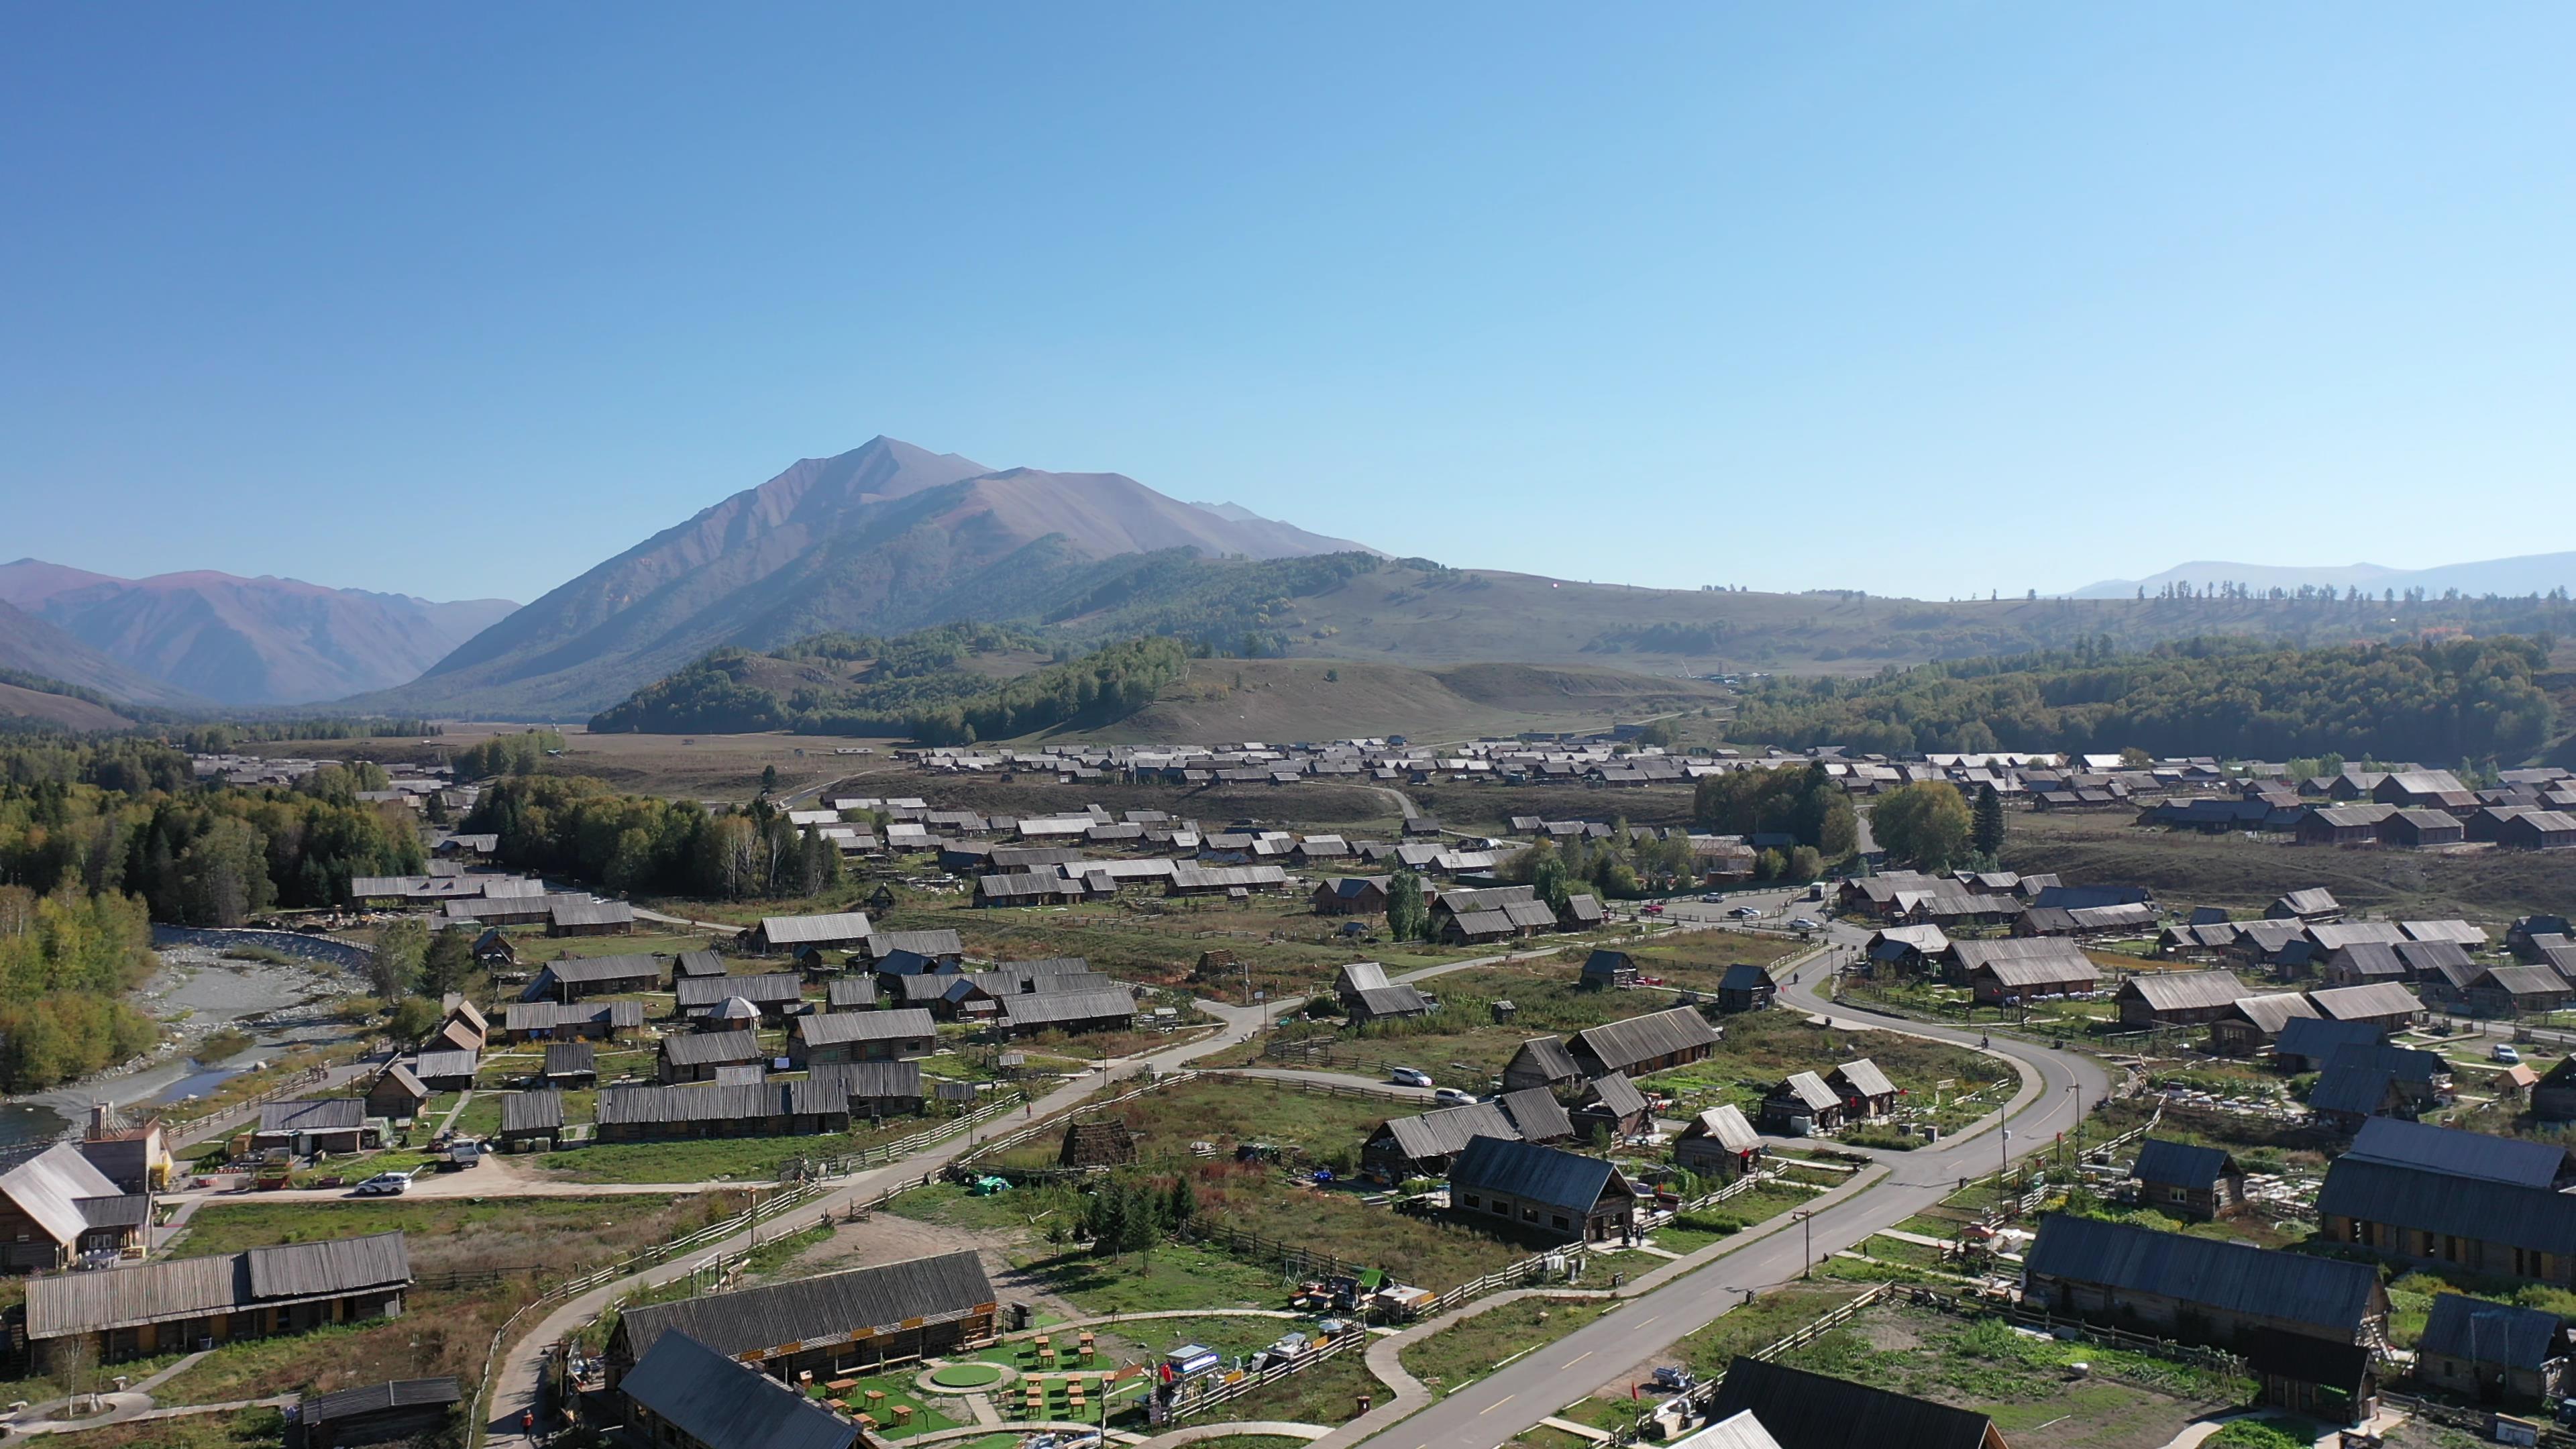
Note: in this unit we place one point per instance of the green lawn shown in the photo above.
(1472, 1348)
(249, 1429)
(2123, 1401)
(692, 1159)
(1175, 1275)
(558, 1234)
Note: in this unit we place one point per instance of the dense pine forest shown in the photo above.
(2437, 701)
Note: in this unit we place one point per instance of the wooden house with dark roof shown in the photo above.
(1796, 1409)
(1746, 987)
(401, 1410)
(2503, 991)
(685, 1395)
(1541, 1192)
(2413, 1193)
(2554, 1099)
(2200, 1290)
(2494, 1353)
(828, 1324)
(2196, 1184)
(1101, 1142)
(2388, 1007)
(775, 995)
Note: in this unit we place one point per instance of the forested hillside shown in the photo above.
(949, 685)
(829, 683)
(98, 840)
(2437, 701)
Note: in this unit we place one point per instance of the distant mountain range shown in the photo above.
(32, 646)
(884, 538)
(237, 641)
(2519, 577)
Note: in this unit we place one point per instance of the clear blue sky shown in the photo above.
(1925, 299)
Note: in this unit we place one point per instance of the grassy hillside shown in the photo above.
(1277, 700)
(21, 703)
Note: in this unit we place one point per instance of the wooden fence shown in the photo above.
(1271, 1375)
(1696, 1399)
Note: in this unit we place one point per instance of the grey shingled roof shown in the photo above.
(1548, 1055)
(836, 1027)
(2273, 1015)
(709, 1048)
(1447, 1131)
(2326, 1294)
(1617, 1095)
(1863, 1077)
(738, 1102)
(565, 1058)
(857, 1081)
(532, 1112)
(548, 1015)
(1619, 1045)
(698, 963)
(593, 970)
(723, 1404)
(176, 1288)
(815, 930)
(849, 993)
(377, 1398)
(1532, 1173)
(818, 1308)
(1537, 1114)
(2364, 1003)
(699, 992)
(1725, 1125)
(1047, 1008)
(1810, 1089)
(2185, 990)
(568, 911)
(314, 1114)
(1391, 1001)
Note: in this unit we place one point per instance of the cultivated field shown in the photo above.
(2186, 869)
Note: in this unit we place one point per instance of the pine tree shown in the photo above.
(1987, 831)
